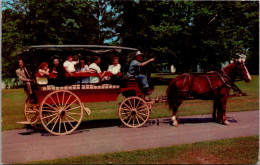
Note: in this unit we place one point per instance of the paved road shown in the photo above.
(27, 145)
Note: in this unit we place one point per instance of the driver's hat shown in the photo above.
(138, 53)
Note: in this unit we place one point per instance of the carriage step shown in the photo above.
(23, 122)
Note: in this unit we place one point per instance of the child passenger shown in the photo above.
(44, 73)
(83, 68)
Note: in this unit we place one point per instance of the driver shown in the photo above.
(135, 70)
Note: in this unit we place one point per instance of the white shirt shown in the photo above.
(114, 69)
(70, 65)
(95, 67)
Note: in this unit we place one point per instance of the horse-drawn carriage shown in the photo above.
(59, 109)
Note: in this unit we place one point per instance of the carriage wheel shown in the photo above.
(31, 113)
(61, 112)
(134, 112)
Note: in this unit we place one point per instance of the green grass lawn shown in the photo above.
(243, 150)
(13, 100)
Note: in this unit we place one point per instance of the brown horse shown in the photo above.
(210, 86)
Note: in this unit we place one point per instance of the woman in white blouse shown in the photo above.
(115, 67)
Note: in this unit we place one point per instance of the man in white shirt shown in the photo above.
(94, 66)
(69, 65)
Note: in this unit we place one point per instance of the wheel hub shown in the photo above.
(133, 112)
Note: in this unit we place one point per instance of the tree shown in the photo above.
(52, 22)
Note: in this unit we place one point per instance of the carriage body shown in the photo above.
(59, 109)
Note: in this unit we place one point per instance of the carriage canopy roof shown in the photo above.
(95, 49)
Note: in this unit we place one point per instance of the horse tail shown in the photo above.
(172, 93)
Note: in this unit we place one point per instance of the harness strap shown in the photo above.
(229, 86)
(207, 77)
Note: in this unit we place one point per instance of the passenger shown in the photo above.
(135, 70)
(44, 73)
(57, 70)
(114, 69)
(83, 68)
(69, 65)
(25, 76)
(94, 66)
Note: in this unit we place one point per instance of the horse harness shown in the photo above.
(221, 74)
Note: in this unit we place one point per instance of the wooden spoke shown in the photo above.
(141, 107)
(72, 118)
(69, 122)
(49, 116)
(127, 105)
(62, 99)
(65, 127)
(51, 111)
(55, 124)
(58, 99)
(125, 109)
(140, 117)
(137, 120)
(143, 114)
(54, 102)
(70, 104)
(127, 117)
(67, 100)
(73, 108)
(130, 104)
(142, 110)
(51, 120)
(51, 106)
(59, 124)
(129, 120)
(125, 113)
(133, 121)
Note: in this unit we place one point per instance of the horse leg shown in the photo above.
(223, 110)
(214, 110)
(216, 114)
(174, 112)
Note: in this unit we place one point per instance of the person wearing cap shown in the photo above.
(135, 69)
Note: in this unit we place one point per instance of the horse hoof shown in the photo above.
(225, 122)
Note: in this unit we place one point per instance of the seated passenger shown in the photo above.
(44, 73)
(58, 70)
(114, 69)
(83, 68)
(25, 76)
(69, 65)
(94, 66)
